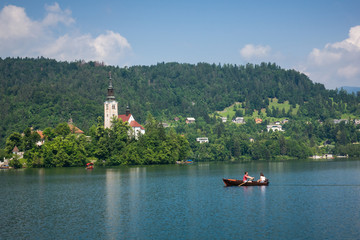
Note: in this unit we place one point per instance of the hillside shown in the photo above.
(43, 92)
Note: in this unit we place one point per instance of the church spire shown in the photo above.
(127, 113)
(110, 94)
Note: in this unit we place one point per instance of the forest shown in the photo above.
(43, 93)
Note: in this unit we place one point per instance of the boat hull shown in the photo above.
(235, 182)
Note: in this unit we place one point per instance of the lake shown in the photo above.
(318, 200)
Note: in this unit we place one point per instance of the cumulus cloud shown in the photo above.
(337, 64)
(250, 51)
(24, 37)
(56, 15)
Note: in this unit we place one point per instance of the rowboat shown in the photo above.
(90, 166)
(235, 182)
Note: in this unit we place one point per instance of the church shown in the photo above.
(111, 110)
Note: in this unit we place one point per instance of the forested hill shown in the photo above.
(43, 92)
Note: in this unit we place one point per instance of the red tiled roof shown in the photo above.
(136, 124)
(15, 149)
(124, 118)
(75, 129)
(40, 133)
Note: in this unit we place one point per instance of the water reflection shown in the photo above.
(183, 202)
(123, 198)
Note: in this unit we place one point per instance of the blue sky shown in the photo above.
(318, 38)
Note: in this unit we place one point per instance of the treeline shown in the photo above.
(107, 147)
(43, 92)
(227, 142)
(251, 141)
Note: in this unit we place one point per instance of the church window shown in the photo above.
(113, 106)
(107, 106)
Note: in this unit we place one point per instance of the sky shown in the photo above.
(318, 38)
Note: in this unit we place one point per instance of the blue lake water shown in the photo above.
(318, 200)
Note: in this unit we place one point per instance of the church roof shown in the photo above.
(136, 124)
(124, 117)
(133, 123)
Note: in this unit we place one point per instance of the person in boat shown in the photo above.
(247, 178)
(262, 178)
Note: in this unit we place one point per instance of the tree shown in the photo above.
(15, 139)
(62, 129)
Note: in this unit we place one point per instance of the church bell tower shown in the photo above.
(110, 105)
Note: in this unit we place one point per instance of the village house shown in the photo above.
(285, 121)
(337, 121)
(239, 120)
(357, 121)
(202, 139)
(274, 127)
(190, 120)
(42, 138)
(17, 152)
(4, 164)
(223, 119)
(73, 128)
(258, 120)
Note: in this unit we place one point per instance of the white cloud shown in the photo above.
(337, 64)
(14, 24)
(24, 37)
(57, 15)
(250, 51)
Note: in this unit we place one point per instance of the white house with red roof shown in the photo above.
(111, 110)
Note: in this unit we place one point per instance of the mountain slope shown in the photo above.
(43, 92)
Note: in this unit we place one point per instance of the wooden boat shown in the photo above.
(235, 182)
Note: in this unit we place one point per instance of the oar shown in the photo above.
(244, 183)
(241, 184)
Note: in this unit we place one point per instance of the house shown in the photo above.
(176, 119)
(274, 127)
(337, 121)
(285, 121)
(165, 125)
(258, 120)
(202, 139)
(190, 120)
(73, 128)
(42, 138)
(17, 152)
(239, 120)
(357, 121)
(224, 119)
(4, 164)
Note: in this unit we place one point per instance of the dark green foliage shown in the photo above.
(15, 162)
(43, 94)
